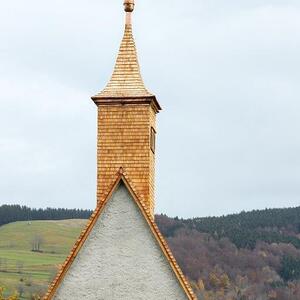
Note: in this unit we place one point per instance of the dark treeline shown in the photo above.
(13, 213)
(246, 228)
(243, 229)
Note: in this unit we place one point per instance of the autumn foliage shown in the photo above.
(224, 263)
(12, 297)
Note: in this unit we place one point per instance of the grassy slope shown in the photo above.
(37, 269)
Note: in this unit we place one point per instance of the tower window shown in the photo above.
(152, 139)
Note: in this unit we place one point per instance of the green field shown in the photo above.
(29, 272)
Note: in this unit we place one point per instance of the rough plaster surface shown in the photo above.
(120, 259)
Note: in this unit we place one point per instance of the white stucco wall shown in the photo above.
(121, 259)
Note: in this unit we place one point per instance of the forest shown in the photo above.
(246, 256)
(13, 213)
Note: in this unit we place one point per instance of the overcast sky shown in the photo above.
(226, 72)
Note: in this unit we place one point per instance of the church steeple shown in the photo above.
(126, 81)
(126, 124)
(121, 246)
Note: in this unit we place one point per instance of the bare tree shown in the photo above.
(36, 243)
(19, 266)
(3, 264)
(21, 290)
(28, 281)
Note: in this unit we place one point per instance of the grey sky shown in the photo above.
(227, 74)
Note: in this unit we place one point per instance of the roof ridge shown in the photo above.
(121, 176)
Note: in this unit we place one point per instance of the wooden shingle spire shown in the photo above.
(126, 81)
(127, 123)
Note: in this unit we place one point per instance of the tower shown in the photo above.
(127, 124)
(121, 254)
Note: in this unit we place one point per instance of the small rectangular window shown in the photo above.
(152, 139)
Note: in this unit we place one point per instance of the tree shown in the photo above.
(19, 266)
(290, 268)
(200, 284)
(3, 264)
(224, 281)
(12, 213)
(36, 243)
(214, 280)
(21, 290)
(12, 297)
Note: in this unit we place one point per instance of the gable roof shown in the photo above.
(121, 176)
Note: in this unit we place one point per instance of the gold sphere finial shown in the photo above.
(129, 5)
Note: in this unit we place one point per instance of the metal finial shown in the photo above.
(129, 6)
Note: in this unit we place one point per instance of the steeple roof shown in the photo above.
(126, 80)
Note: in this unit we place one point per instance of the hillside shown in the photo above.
(247, 256)
(27, 271)
(251, 255)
